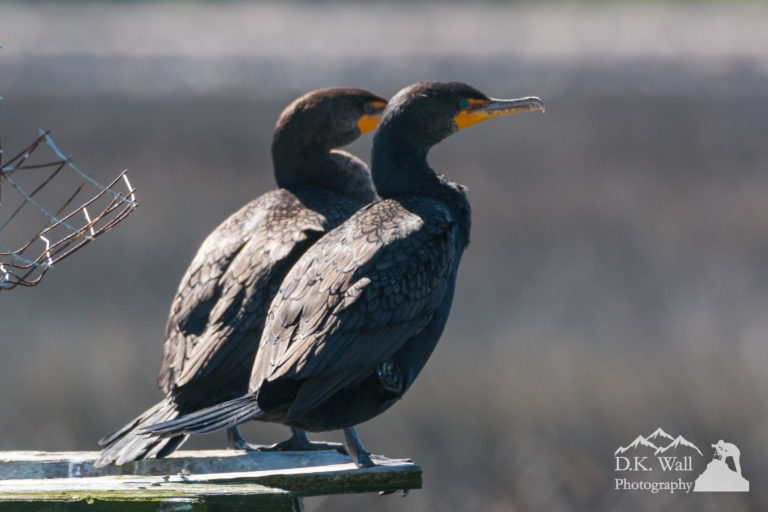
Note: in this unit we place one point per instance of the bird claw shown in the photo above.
(235, 441)
(363, 460)
(249, 447)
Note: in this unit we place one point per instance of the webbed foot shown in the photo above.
(235, 441)
(298, 442)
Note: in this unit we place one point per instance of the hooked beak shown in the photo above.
(482, 110)
(369, 121)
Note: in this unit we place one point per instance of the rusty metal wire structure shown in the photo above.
(49, 209)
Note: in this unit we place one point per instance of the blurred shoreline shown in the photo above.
(153, 50)
(243, 77)
(340, 30)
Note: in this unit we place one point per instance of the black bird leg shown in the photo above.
(360, 456)
(235, 441)
(300, 442)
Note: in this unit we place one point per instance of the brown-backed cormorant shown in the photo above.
(218, 312)
(359, 314)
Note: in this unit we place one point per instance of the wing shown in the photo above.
(223, 296)
(356, 297)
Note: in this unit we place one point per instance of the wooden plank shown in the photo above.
(387, 476)
(119, 493)
(35, 464)
(189, 478)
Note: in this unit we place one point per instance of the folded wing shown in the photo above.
(356, 297)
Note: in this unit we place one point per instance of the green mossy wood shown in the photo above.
(191, 481)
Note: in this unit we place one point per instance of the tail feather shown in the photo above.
(130, 443)
(169, 447)
(224, 415)
(110, 438)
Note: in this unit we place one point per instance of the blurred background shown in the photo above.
(617, 279)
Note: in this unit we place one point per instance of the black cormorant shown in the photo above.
(218, 312)
(359, 314)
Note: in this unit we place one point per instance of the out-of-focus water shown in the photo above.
(617, 279)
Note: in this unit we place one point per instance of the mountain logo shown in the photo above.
(659, 441)
(634, 445)
(658, 436)
(678, 441)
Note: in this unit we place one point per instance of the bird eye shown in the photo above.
(464, 104)
(368, 108)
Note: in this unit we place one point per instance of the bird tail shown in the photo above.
(224, 415)
(130, 443)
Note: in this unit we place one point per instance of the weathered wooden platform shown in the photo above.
(218, 480)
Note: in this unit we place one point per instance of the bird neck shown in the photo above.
(331, 169)
(400, 168)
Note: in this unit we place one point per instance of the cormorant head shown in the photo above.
(326, 119)
(425, 113)
(309, 131)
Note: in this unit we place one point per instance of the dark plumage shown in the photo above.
(359, 314)
(218, 312)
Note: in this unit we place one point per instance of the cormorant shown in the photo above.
(359, 314)
(218, 313)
